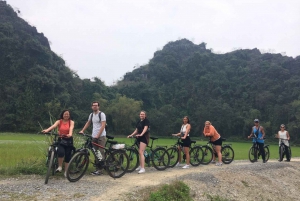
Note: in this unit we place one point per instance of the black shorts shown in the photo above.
(186, 142)
(217, 142)
(142, 139)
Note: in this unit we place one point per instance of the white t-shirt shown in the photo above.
(97, 124)
(283, 136)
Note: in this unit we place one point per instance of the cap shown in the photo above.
(256, 120)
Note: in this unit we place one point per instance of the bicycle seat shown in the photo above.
(193, 141)
(154, 138)
(110, 137)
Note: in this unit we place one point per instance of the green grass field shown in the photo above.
(25, 153)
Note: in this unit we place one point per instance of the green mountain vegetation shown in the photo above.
(182, 79)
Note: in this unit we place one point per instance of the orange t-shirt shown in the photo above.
(64, 128)
(212, 133)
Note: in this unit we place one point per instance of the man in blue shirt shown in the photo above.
(258, 133)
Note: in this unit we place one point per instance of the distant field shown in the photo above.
(25, 153)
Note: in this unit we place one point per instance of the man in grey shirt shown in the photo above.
(99, 133)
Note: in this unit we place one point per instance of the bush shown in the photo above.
(170, 192)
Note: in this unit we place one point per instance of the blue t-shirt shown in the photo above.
(259, 135)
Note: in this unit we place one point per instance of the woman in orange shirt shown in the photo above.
(215, 139)
(65, 129)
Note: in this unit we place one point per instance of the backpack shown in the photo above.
(91, 115)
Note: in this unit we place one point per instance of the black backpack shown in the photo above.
(91, 115)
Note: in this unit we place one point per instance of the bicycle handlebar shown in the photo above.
(55, 134)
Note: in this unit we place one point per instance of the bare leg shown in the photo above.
(141, 153)
(187, 154)
(218, 150)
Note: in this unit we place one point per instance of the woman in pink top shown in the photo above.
(215, 139)
(65, 129)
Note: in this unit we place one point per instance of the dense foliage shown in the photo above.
(181, 79)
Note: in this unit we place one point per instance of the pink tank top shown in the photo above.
(64, 128)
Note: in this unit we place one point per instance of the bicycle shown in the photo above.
(196, 153)
(52, 157)
(159, 157)
(282, 150)
(254, 152)
(115, 162)
(226, 151)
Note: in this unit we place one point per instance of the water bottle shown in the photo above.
(145, 153)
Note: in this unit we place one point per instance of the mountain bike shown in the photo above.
(196, 153)
(209, 149)
(52, 158)
(115, 162)
(159, 157)
(254, 152)
(282, 150)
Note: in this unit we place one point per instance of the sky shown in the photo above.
(107, 38)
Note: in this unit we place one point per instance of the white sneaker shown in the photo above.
(59, 169)
(142, 170)
(218, 164)
(177, 165)
(137, 169)
(212, 161)
(186, 167)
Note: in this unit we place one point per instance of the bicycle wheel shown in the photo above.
(281, 153)
(253, 154)
(160, 158)
(267, 153)
(77, 166)
(207, 155)
(174, 156)
(133, 157)
(50, 166)
(117, 163)
(227, 154)
(196, 156)
(290, 153)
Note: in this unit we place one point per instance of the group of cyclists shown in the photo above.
(142, 132)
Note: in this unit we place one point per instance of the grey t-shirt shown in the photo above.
(97, 124)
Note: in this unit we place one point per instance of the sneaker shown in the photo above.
(97, 172)
(59, 169)
(186, 167)
(264, 161)
(212, 161)
(65, 174)
(286, 160)
(279, 160)
(142, 170)
(218, 164)
(137, 169)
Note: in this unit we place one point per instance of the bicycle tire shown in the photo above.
(117, 163)
(252, 154)
(281, 152)
(267, 153)
(227, 154)
(133, 157)
(196, 156)
(290, 151)
(174, 156)
(160, 158)
(77, 166)
(207, 155)
(49, 167)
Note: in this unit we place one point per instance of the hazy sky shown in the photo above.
(107, 38)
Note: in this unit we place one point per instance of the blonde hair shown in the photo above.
(207, 122)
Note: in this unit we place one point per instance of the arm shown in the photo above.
(209, 132)
(176, 134)
(51, 127)
(103, 123)
(287, 135)
(263, 132)
(71, 129)
(251, 134)
(87, 124)
(144, 131)
(132, 134)
(188, 128)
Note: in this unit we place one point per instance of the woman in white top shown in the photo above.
(284, 137)
(186, 141)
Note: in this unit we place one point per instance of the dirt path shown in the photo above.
(240, 180)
